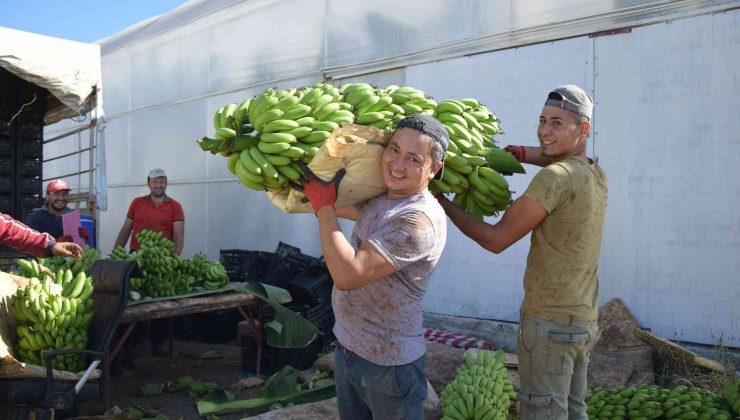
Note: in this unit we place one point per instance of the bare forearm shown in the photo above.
(471, 227)
(122, 238)
(534, 157)
(338, 252)
(179, 243)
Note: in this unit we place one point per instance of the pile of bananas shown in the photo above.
(166, 274)
(651, 401)
(732, 395)
(88, 257)
(53, 312)
(264, 137)
(481, 389)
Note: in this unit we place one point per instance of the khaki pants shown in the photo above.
(553, 357)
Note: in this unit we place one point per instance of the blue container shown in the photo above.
(88, 223)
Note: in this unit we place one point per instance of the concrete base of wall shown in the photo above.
(501, 334)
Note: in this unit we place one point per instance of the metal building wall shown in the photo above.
(164, 81)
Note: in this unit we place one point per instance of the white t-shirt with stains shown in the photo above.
(382, 321)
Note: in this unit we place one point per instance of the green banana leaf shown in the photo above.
(288, 329)
(280, 388)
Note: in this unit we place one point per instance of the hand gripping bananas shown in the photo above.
(264, 137)
(53, 312)
(166, 274)
(481, 389)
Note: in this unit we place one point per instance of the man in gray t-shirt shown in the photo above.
(381, 274)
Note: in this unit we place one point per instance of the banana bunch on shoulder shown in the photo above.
(473, 163)
(481, 389)
(53, 312)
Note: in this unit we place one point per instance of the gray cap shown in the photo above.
(156, 173)
(573, 99)
(432, 128)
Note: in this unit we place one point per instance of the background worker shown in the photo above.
(155, 211)
(48, 218)
(158, 212)
(380, 275)
(24, 239)
(564, 208)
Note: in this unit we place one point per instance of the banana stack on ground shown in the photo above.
(53, 313)
(264, 137)
(481, 389)
(732, 395)
(651, 401)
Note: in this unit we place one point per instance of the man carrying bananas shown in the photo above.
(381, 273)
(564, 208)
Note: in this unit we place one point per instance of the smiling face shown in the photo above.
(561, 134)
(57, 200)
(407, 164)
(157, 186)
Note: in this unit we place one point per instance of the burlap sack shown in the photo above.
(10, 367)
(356, 148)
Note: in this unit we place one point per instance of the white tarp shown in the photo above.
(69, 70)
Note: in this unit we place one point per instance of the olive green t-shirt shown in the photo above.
(561, 280)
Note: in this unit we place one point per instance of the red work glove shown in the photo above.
(84, 233)
(319, 193)
(64, 238)
(519, 152)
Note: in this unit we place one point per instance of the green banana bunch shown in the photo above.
(481, 389)
(53, 312)
(264, 137)
(651, 401)
(473, 163)
(32, 267)
(732, 395)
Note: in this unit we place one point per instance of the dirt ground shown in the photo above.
(224, 370)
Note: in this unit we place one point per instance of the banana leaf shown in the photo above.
(288, 329)
(280, 388)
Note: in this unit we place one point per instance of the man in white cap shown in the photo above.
(564, 208)
(155, 211)
(48, 218)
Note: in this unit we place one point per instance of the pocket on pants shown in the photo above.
(537, 407)
(410, 382)
(562, 349)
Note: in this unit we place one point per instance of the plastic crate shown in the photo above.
(5, 184)
(6, 165)
(273, 358)
(242, 265)
(312, 287)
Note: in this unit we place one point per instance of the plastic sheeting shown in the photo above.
(68, 70)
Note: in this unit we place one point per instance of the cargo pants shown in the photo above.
(553, 358)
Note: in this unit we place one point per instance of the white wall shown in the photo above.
(666, 132)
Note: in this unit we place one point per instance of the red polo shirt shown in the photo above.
(146, 216)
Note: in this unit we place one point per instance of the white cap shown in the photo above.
(156, 173)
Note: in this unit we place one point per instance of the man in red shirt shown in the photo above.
(156, 211)
(24, 239)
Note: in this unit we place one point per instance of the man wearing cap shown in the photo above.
(380, 274)
(48, 218)
(564, 208)
(155, 211)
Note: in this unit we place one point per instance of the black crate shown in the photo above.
(29, 185)
(5, 184)
(284, 270)
(6, 165)
(5, 146)
(29, 167)
(312, 287)
(284, 250)
(274, 359)
(242, 265)
(6, 203)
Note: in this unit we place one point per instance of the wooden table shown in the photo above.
(245, 302)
